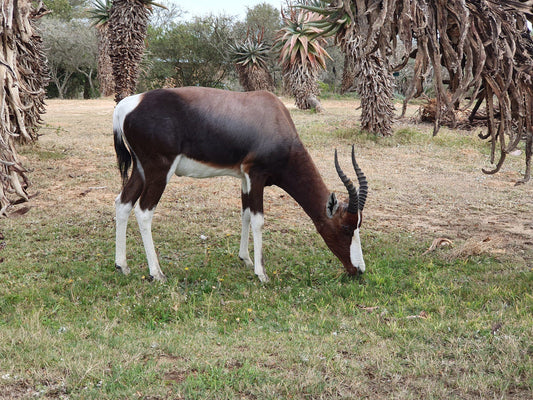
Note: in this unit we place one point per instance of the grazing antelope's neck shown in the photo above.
(303, 182)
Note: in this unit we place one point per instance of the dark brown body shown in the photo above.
(203, 132)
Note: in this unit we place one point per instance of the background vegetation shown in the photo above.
(181, 49)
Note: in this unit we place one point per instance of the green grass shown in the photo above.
(413, 327)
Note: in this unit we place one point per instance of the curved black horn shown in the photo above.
(353, 202)
(363, 184)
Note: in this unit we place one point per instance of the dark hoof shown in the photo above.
(124, 270)
(152, 278)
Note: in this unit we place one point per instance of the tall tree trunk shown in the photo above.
(254, 78)
(23, 75)
(105, 67)
(375, 87)
(128, 23)
(348, 74)
(301, 83)
(373, 82)
(364, 43)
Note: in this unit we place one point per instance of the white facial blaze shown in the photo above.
(356, 253)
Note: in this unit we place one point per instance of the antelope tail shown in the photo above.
(124, 156)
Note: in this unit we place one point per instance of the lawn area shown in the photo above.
(454, 322)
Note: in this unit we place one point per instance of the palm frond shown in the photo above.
(250, 51)
(299, 39)
(100, 12)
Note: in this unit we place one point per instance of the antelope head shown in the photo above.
(345, 218)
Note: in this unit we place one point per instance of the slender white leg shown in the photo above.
(244, 254)
(257, 222)
(144, 219)
(122, 213)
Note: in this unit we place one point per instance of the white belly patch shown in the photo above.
(183, 166)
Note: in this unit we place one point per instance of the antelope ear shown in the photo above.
(332, 205)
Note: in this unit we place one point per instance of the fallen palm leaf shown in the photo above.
(439, 242)
(475, 247)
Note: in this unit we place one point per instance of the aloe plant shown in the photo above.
(302, 55)
(250, 58)
(359, 28)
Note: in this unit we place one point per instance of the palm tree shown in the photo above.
(361, 28)
(100, 14)
(487, 51)
(250, 58)
(477, 50)
(128, 24)
(22, 82)
(302, 55)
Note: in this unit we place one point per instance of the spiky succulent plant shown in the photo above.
(251, 62)
(302, 55)
(250, 52)
(299, 41)
(335, 17)
(359, 28)
(100, 11)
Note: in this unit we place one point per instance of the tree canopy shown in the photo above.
(68, 54)
(189, 52)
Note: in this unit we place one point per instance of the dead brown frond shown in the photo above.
(480, 51)
(453, 118)
(439, 242)
(475, 247)
(23, 76)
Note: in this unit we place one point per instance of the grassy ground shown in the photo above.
(456, 322)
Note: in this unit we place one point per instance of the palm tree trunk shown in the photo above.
(301, 83)
(128, 23)
(254, 78)
(373, 79)
(348, 74)
(23, 76)
(375, 87)
(105, 68)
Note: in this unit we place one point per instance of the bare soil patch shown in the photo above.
(429, 187)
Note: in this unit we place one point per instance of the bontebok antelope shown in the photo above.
(201, 133)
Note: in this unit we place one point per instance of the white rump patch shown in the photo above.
(123, 108)
(356, 253)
